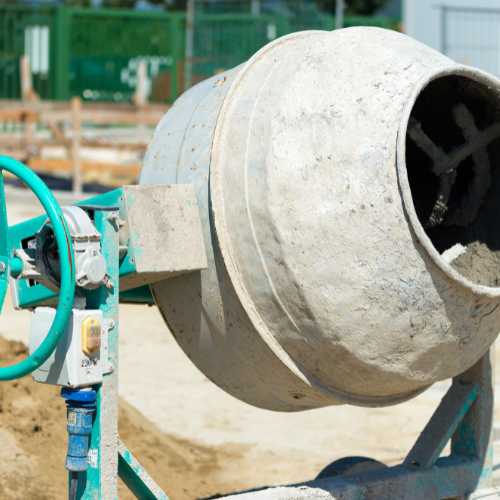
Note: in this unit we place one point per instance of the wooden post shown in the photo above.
(26, 79)
(76, 108)
(27, 94)
(140, 97)
(27, 91)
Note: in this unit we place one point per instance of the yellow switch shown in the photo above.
(91, 335)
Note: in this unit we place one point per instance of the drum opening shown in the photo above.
(453, 168)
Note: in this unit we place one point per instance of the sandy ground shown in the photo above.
(243, 447)
(33, 441)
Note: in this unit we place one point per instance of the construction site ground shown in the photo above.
(195, 440)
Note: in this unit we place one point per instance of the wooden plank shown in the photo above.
(22, 114)
(91, 105)
(101, 113)
(27, 91)
(58, 134)
(50, 165)
(19, 154)
(16, 142)
(106, 117)
(101, 117)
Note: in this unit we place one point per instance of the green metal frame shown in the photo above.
(32, 295)
(105, 418)
(136, 478)
(101, 481)
(465, 415)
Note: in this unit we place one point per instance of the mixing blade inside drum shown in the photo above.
(452, 157)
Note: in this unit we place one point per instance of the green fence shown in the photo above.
(94, 53)
(16, 27)
(105, 47)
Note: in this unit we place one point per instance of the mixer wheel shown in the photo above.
(350, 465)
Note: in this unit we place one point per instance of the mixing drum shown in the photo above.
(349, 194)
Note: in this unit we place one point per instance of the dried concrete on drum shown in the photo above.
(320, 288)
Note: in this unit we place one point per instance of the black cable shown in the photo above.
(45, 257)
(74, 485)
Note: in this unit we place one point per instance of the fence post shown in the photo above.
(188, 61)
(62, 28)
(76, 108)
(339, 14)
(443, 29)
(174, 43)
(140, 97)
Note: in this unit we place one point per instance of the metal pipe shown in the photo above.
(339, 14)
(16, 266)
(188, 64)
(443, 28)
(74, 485)
(76, 111)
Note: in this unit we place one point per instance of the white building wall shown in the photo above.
(422, 18)
(470, 37)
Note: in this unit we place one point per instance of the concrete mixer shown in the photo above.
(316, 227)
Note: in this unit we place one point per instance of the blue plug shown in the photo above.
(80, 406)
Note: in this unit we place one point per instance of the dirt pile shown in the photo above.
(34, 440)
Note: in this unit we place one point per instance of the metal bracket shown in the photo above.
(465, 415)
(442, 425)
(160, 236)
(138, 481)
(108, 457)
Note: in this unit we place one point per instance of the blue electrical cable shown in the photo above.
(80, 404)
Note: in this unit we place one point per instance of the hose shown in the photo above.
(46, 259)
(67, 259)
(74, 485)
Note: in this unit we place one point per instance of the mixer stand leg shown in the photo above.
(108, 456)
(465, 415)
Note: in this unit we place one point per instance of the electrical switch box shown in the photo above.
(91, 335)
(81, 357)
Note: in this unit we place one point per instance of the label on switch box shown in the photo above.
(89, 362)
(92, 458)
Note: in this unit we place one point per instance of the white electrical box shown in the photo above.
(81, 357)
